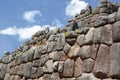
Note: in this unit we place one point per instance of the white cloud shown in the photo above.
(74, 7)
(30, 15)
(57, 23)
(24, 33)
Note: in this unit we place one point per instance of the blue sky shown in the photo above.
(20, 19)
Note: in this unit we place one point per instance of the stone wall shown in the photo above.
(87, 49)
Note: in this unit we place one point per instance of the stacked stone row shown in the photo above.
(103, 6)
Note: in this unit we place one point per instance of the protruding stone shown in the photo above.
(68, 68)
(80, 40)
(115, 60)
(102, 64)
(78, 67)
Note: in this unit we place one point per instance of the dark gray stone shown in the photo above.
(102, 20)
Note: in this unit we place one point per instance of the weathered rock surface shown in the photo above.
(102, 64)
(115, 60)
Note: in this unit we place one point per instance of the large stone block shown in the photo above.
(106, 37)
(115, 60)
(116, 32)
(102, 64)
(68, 68)
(78, 67)
(74, 51)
